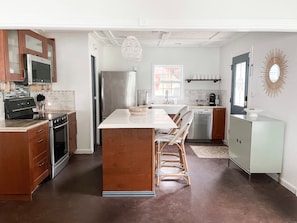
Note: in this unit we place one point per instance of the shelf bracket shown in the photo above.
(214, 80)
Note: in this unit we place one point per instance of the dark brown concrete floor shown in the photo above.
(218, 194)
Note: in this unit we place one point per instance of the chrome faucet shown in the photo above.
(166, 97)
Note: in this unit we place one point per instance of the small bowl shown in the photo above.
(138, 110)
(253, 112)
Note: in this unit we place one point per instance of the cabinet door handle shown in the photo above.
(40, 130)
(40, 140)
(41, 164)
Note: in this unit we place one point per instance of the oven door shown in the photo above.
(59, 147)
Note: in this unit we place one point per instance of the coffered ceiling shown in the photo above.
(114, 38)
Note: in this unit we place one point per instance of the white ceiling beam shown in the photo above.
(164, 37)
(101, 38)
(111, 38)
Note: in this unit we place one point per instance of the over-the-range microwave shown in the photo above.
(37, 69)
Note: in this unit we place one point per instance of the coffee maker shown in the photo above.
(212, 99)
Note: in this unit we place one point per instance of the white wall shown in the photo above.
(282, 106)
(194, 61)
(96, 50)
(74, 73)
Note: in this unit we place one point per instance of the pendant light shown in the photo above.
(131, 49)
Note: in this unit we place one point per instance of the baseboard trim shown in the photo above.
(288, 185)
(84, 151)
(283, 182)
(128, 193)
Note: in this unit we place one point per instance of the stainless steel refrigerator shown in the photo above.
(117, 90)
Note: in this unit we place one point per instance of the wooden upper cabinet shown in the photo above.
(11, 60)
(33, 43)
(218, 129)
(14, 44)
(51, 54)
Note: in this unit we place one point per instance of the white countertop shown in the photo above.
(259, 118)
(121, 118)
(20, 125)
(204, 106)
(169, 108)
(174, 108)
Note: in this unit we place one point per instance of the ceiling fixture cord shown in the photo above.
(131, 49)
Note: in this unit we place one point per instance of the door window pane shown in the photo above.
(239, 90)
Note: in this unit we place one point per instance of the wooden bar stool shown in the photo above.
(169, 161)
(176, 118)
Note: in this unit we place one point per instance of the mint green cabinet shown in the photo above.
(256, 145)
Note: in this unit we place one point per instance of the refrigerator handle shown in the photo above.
(102, 96)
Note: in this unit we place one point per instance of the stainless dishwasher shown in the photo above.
(201, 128)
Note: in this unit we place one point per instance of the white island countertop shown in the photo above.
(154, 118)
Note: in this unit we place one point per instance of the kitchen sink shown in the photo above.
(169, 108)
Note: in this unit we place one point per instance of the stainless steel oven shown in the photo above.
(59, 151)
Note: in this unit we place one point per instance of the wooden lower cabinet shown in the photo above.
(24, 162)
(218, 123)
(72, 133)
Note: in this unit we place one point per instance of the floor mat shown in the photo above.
(219, 152)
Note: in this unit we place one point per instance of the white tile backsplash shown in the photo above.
(201, 97)
(57, 100)
(191, 97)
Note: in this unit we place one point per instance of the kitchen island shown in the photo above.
(128, 151)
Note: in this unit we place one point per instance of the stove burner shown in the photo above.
(48, 116)
(55, 119)
(22, 108)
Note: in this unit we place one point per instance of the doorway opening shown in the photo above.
(94, 101)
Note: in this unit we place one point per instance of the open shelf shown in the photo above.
(214, 80)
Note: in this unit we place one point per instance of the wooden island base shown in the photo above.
(128, 162)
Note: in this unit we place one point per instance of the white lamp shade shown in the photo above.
(131, 49)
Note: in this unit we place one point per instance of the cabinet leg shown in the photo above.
(250, 177)
(278, 177)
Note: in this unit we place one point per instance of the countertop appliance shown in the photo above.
(212, 99)
(201, 128)
(22, 108)
(117, 90)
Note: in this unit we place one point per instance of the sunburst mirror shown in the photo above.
(275, 72)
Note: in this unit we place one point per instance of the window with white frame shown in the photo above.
(167, 81)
